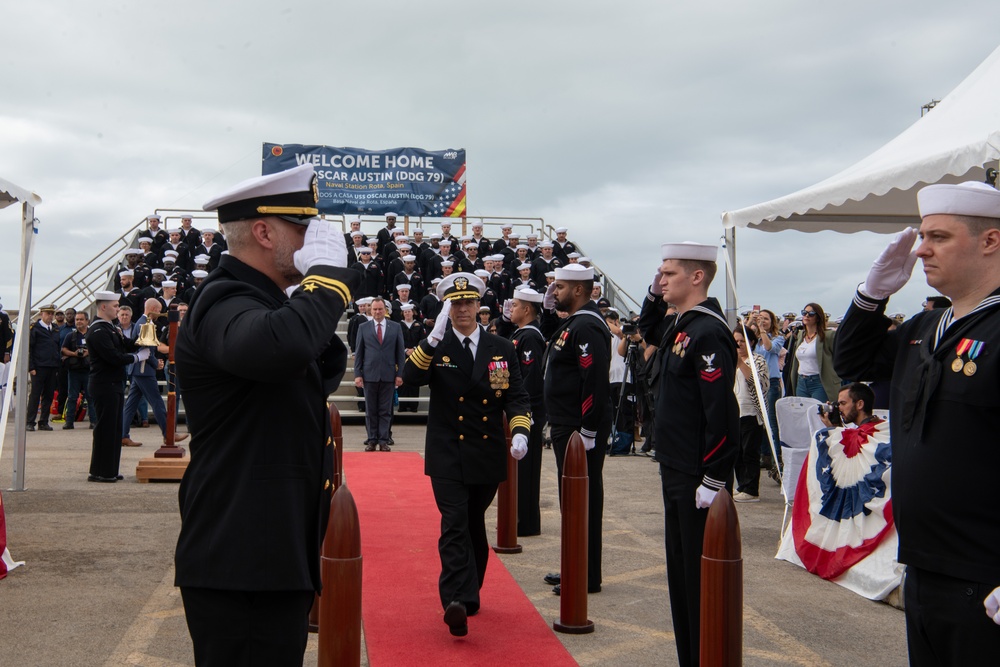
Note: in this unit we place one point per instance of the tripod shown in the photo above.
(628, 399)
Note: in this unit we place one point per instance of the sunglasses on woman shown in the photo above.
(808, 313)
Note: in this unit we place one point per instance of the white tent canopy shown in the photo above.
(956, 141)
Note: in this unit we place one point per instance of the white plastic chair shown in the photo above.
(798, 420)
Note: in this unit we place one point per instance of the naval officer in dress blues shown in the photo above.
(475, 379)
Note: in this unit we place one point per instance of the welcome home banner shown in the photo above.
(355, 181)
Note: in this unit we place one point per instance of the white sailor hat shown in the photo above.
(521, 246)
(169, 283)
(145, 239)
(365, 301)
(364, 250)
(402, 286)
(101, 295)
(175, 230)
(507, 226)
(546, 244)
(402, 238)
(435, 281)
(170, 253)
(224, 252)
(533, 235)
(550, 274)
(445, 242)
(699, 252)
(447, 263)
(561, 230)
(290, 195)
(435, 235)
(391, 214)
(498, 257)
(155, 216)
(187, 216)
(125, 273)
(971, 198)
(461, 286)
(418, 230)
(528, 294)
(159, 272)
(372, 241)
(472, 245)
(199, 273)
(358, 233)
(406, 306)
(208, 231)
(574, 255)
(404, 246)
(465, 237)
(524, 267)
(446, 224)
(484, 309)
(132, 251)
(514, 235)
(584, 258)
(409, 258)
(202, 259)
(478, 224)
(355, 220)
(482, 273)
(574, 272)
(397, 231)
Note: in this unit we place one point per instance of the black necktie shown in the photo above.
(468, 351)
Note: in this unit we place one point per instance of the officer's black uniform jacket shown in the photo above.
(465, 435)
(256, 368)
(576, 372)
(943, 427)
(44, 350)
(697, 417)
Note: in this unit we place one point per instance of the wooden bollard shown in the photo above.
(170, 450)
(722, 586)
(340, 567)
(337, 443)
(507, 504)
(573, 566)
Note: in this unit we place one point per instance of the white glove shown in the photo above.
(549, 300)
(508, 306)
(142, 354)
(654, 287)
(893, 267)
(324, 245)
(519, 446)
(992, 604)
(703, 497)
(440, 325)
(588, 443)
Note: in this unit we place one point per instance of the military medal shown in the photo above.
(957, 364)
(499, 375)
(970, 368)
(974, 348)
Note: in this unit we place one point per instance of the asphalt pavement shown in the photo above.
(97, 587)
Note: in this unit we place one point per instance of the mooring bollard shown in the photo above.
(340, 567)
(573, 567)
(337, 445)
(507, 504)
(722, 586)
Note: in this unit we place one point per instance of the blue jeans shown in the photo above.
(811, 386)
(78, 382)
(773, 394)
(144, 387)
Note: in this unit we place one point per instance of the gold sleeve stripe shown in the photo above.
(310, 283)
(520, 421)
(420, 359)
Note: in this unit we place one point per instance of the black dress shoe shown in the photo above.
(67, 427)
(456, 618)
(119, 477)
(558, 589)
(552, 579)
(44, 427)
(29, 427)
(98, 478)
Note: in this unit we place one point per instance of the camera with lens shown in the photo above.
(629, 328)
(831, 412)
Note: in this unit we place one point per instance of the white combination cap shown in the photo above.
(699, 252)
(972, 198)
(459, 286)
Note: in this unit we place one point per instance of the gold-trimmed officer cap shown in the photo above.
(49, 308)
(459, 286)
(290, 195)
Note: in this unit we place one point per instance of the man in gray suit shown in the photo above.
(378, 367)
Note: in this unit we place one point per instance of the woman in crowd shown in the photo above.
(812, 371)
(770, 345)
(751, 416)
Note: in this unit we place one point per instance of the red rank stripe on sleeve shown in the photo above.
(711, 376)
(709, 455)
(587, 404)
(585, 362)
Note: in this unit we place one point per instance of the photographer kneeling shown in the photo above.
(854, 403)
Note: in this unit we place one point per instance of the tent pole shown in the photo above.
(731, 305)
(20, 435)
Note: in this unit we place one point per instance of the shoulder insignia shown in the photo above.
(710, 373)
(446, 359)
(583, 349)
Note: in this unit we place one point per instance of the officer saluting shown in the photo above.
(256, 366)
(474, 378)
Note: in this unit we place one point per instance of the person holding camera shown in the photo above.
(854, 406)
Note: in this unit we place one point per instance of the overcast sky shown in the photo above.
(631, 123)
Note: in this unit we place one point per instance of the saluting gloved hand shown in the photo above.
(549, 300)
(324, 245)
(893, 267)
(655, 288)
(519, 446)
(703, 497)
(588, 443)
(508, 306)
(142, 354)
(992, 604)
(440, 325)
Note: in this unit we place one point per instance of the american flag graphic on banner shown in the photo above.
(450, 202)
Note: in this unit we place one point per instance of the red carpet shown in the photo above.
(403, 619)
